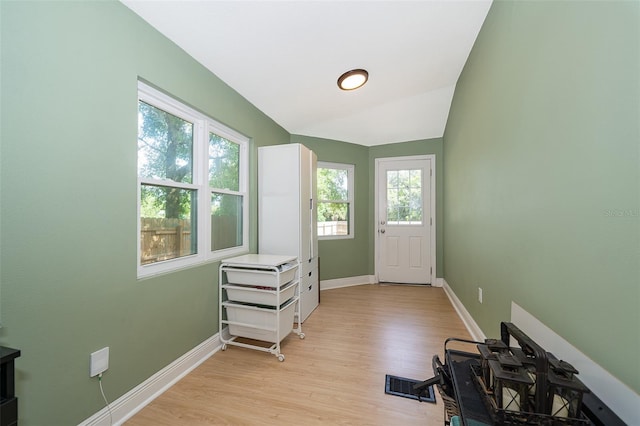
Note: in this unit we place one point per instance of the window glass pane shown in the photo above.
(333, 219)
(403, 179)
(404, 197)
(392, 204)
(333, 184)
(226, 221)
(165, 145)
(335, 200)
(415, 205)
(167, 223)
(392, 179)
(415, 178)
(224, 163)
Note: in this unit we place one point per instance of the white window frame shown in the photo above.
(202, 126)
(350, 168)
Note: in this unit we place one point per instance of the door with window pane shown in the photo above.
(404, 221)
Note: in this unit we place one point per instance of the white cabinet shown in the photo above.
(259, 299)
(287, 219)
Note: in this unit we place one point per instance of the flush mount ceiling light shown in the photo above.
(353, 79)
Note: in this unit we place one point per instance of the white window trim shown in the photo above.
(202, 126)
(350, 168)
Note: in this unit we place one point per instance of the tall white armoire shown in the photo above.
(287, 222)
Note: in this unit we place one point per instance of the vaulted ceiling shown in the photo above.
(285, 58)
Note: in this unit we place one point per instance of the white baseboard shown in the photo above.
(465, 316)
(347, 282)
(618, 396)
(363, 279)
(133, 401)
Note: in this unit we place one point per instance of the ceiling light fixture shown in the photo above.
(353, 79)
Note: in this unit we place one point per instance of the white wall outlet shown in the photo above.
(99, 362)
(480, 294)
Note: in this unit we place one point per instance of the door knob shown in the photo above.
(382, 231)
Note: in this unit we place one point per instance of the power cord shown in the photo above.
(105, 399)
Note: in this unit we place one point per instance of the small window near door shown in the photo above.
(335, 200)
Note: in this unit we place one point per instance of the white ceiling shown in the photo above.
(286, 56)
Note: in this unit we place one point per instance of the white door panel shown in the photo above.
(404, 220)
(416, 252)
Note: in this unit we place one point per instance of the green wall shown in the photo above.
(68, 203)
(542, 176)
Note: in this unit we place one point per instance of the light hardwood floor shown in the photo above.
(335, 376)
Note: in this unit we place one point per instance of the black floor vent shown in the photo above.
(400, 386)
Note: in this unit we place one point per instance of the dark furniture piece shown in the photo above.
(470, 405)
(457, 382)
(8, 400)
(473, 411)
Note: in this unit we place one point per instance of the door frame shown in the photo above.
(432, 197)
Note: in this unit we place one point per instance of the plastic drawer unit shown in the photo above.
(259, 300)
(260, 323)
(260, 277)
(261, 295)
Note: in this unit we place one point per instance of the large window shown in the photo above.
(335, 200)
(192, 183)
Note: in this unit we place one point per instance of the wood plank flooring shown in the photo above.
(335, 376)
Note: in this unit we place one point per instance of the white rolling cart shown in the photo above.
(260, 295)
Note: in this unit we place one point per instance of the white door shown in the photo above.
(405, 246)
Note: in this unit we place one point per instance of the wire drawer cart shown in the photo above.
(259, 300)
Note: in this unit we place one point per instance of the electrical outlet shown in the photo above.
(99, 362)
(480, 294)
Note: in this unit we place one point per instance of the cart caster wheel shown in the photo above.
(301, 335)
(281, 358)
(224, 347)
